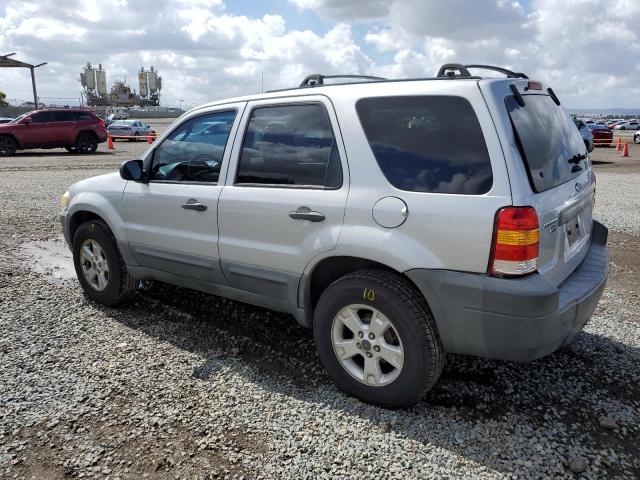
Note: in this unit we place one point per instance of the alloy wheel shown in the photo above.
(95, 266)
(367, 345)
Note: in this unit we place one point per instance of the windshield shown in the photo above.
(548, 141)
(17, 119)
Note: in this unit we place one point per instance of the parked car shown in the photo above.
(601, 135)
(632, 125)
(118, 116)
(5, 120)
(585, 132)
(369, 212)
(130, 128)
(77, 130)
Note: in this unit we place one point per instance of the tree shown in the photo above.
(3, 101)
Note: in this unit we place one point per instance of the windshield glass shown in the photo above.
(17, 119)
(548, 141)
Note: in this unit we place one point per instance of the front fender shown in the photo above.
(107, 206)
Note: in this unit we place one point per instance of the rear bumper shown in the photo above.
(514, 319)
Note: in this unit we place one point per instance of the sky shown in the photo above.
(588, 50)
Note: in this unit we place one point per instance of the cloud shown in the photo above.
(589, 50)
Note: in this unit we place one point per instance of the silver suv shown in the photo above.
(400, 219)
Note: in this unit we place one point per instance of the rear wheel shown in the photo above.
(86, 143)
(8, 146)
(99, 266)
(377, 339)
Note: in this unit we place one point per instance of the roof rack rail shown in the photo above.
(318, 79)
(504, 71)
(449, 71)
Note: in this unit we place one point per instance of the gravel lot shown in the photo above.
(180, 384)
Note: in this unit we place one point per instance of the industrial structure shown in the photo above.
(94, 84)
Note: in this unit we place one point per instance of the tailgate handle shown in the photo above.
(570, 212)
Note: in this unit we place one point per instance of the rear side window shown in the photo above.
(427, 143)
(291, 145)
(549, 142)
(83, 116)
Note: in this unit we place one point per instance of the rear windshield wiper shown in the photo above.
(577, 158)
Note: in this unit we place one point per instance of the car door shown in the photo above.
(39, 131)
(63, 127)
(171, 219)
(284, 198)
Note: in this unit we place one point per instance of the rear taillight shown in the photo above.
(514, 250)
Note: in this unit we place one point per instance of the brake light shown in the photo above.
(516, 235)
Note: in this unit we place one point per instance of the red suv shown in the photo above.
(77, 130)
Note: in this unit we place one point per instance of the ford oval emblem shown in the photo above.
(578, 187)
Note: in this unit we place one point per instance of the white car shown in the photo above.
(631, 125)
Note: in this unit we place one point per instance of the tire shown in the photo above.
(86, 143)
(636, 139)
(8, 146)
(397, 300)
(120, 286)
(135, 135)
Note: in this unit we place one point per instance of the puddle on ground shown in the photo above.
(51, 258)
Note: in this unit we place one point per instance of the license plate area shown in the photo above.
(574, 236)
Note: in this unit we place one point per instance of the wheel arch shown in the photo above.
(11, 135)
(329, 269)
(87, 131)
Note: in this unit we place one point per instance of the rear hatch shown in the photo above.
(549, 169)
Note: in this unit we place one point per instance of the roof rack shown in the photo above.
(449, 71)
(318, 79)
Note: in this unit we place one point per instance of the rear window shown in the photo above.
(547, 139)
(427, 143)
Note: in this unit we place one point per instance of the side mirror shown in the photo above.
(131, 170)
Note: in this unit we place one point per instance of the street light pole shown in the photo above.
(33, 84)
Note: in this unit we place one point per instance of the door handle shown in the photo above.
(193, 204)
(305, 213)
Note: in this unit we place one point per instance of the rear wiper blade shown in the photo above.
(577, 158)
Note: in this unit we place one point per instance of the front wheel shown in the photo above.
(99, 266)
(377, 339)
(8, 146)
(86, 143)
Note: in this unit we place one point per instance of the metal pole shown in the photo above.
(33, 83)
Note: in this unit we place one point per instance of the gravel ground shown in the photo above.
(180, 384)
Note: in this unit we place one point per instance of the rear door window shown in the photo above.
(63, 116)
(550, 144)
(427, 143)
(290, 145)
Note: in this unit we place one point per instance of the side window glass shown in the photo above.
(193, 152)
(289, 146)
(63, 117)
(42, 117)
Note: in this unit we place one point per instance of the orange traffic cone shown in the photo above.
(619, 145)
(625, 150)
(109, 142)
(149, 140)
